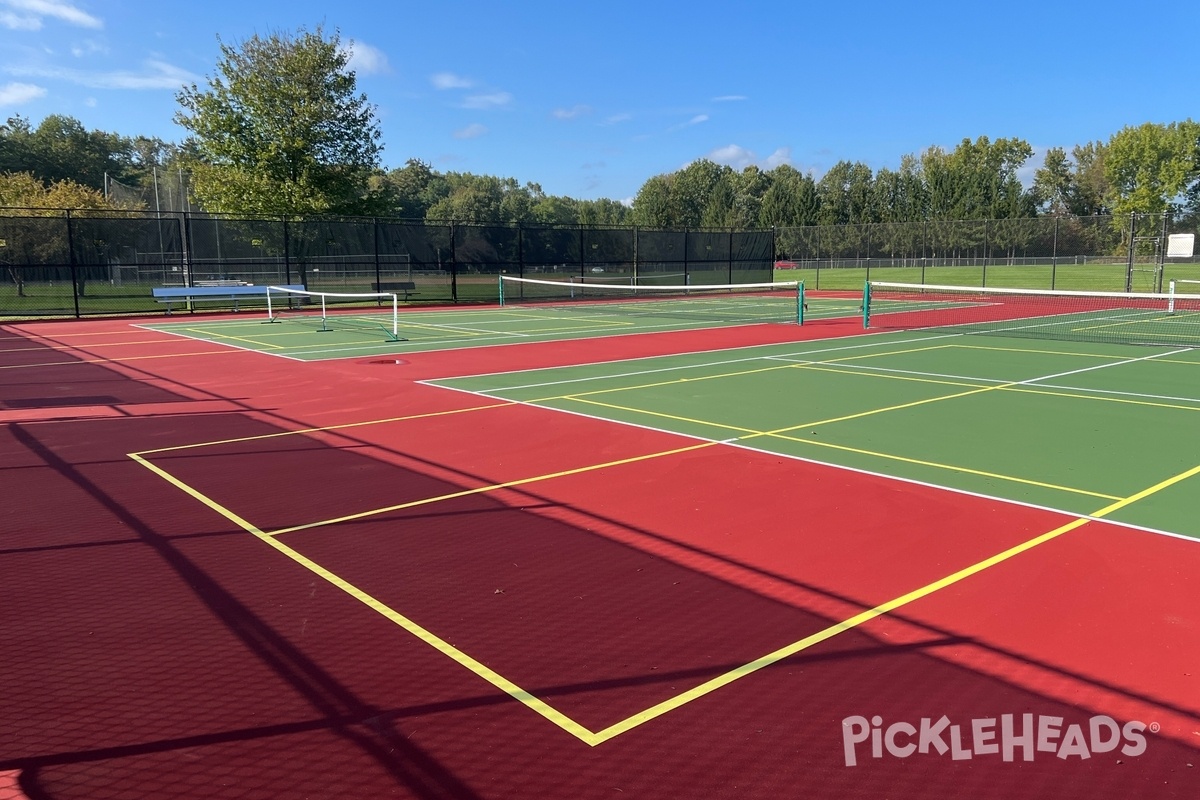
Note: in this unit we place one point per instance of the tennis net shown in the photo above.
(732, 303)
(376, 312)
(1168, 318)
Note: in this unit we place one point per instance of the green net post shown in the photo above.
(800, 304)
(866, 307)
(501, 280)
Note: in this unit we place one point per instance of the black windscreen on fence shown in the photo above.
(83, 262)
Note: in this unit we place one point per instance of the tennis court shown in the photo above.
(596, 549)
(535, 311)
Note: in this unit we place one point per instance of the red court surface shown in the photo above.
(608, 591)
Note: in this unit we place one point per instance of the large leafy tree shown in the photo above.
(845, 192)
(791, 199)
(281, 129)
(653, 206)
(1151, 166)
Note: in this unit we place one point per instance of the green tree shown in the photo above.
(1151, 166)
(410, 190)
(692, 191)
(552, 210)
(1054, 182)
(60, 148)
(280, 129)
(790, 201)
(653, 206)
(719, 209)
(16, 146)
(25, 190)
(603, 212)
(1093, 190)
(845, 192)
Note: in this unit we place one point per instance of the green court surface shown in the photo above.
(1083, 428)
(364, 331)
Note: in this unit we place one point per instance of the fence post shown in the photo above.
(187, 250)
(71, 263)
(520, 249)
(731, 259)
(287, 261)
(817, 261)
(453, 265)
(685, 258)
(1129, 260)
(1054, 254)
(635, 255)
(1162, 250)
(983, 281)
(375, 242)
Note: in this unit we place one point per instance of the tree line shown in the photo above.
(280, 128)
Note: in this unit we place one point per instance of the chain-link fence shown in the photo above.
(76, 263)
(79, 263)
(1102, 253)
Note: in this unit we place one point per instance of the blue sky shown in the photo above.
(591, 99)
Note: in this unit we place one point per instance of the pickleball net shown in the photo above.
(734, 303)
(1169, 318)
(375, 312)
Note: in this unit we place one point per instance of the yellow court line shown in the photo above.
(482, 670)
(1019, 388)
(1085, 396)
(1036, 351)
(950, 467)
(205, 334)
(594, 738)
(445, 330)
(753, 434)
(492, 488)
(734, 374)
(592, 324)
(277, 434)
(884, 608)
(1127, 323)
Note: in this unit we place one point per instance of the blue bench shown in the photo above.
(213, 294)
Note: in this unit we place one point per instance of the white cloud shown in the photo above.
(20, 22)
(781, 156)
(730, 98)
(733, 155)
(448, 80)
(739, 157)
(493, 100)
(28, 14)
(473, 131)
(571, 113)
(14, 94)
(367, 59)
(88, 47)
(699, 119)
(617, 119)
(158, 75)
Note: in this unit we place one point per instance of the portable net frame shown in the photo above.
(734, 303)
(353, 310)
(1165, 319)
